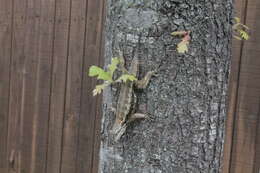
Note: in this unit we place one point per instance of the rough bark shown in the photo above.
(186, 101)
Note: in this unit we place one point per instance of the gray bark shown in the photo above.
(186, 101)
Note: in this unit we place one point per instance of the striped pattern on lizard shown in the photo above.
(127, 100)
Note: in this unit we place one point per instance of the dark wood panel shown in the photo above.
(89, 108)
(36, 67)
(75, 72)
(58, 88)
(244, 148)
(5, 60)
(17, 86)
(240, 6)
(97, 135)
(53, 118)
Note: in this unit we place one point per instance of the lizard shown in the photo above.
(127, 99)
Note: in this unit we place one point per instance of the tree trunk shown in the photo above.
(186, 101)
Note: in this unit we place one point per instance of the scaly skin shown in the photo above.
(125, 101)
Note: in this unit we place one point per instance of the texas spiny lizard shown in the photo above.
(127, 100)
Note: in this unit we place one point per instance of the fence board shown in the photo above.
(17, 86)
(240, 6)
(49, 123)
(243, 155)
(5, 60)
(58, 87)
(74, 82)
(88, 111)
(33, 41)
(97, 135)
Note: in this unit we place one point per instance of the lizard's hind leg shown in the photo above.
(135, 116)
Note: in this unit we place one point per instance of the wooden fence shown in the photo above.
(49, 121)
(242, 142)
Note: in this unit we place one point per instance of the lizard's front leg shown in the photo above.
(141, 84)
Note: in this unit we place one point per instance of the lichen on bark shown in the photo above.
(186, 100)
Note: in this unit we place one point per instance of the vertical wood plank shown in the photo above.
(240, 8)
(5, 60)
(97, 135)
(61, 29)
(41, 98)
(30, 85)
(88, 109)
(46, 87)
(73, 86)
(38, 47)
(16, 85)
(257, 152)
(244, 152)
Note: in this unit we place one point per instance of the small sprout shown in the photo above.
(244, 35)
(182, 47)
(107, 76)
(241, 30)
(98, 89)
(237, 19)
(100, 73)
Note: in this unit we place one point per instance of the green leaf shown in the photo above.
(112, 67)
(244, 35)
(182, 47)
(126, 77)
(94, 71)
(100, 73)
(237, 19)
(98, 89)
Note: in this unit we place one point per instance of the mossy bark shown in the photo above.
(186, 100)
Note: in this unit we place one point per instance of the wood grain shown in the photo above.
(58, 87)
(88, 111)
(75, 72)
(5, 60)
(237, 48)
(48, 115)
(36, 84)
(243, 140)
(17, 87)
